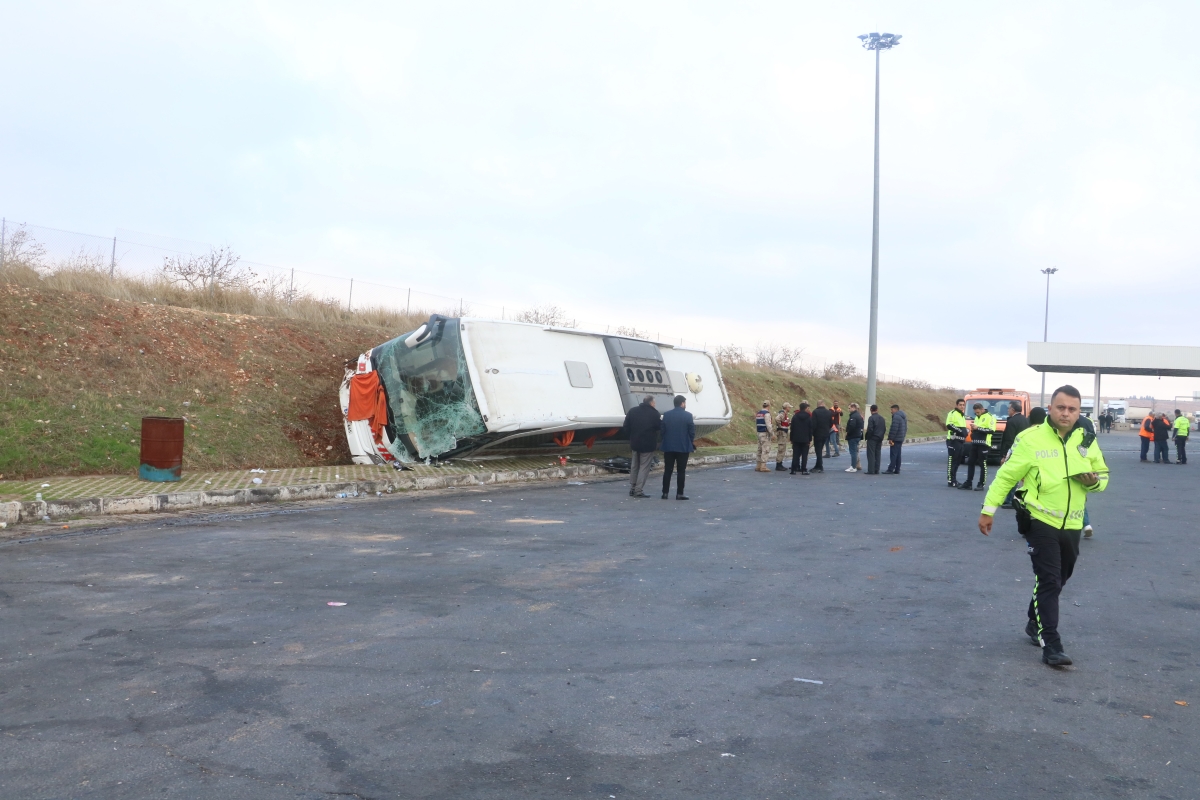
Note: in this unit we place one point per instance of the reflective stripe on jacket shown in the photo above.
(985, 425)
(1048, 465)
(955, 419)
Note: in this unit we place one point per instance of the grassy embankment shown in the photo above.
(83, 359)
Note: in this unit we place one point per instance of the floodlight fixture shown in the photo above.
(880, 41)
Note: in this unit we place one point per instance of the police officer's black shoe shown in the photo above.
(966, 486)
(1053, 655)
(682, 497)
(664, 495)
(1031, 630)
(979, 487)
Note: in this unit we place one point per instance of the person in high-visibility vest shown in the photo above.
(981, 443)
(1146, 431)
(1060, 464)
(956, 439)
(1182, 426)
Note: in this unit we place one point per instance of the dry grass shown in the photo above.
(157, 289)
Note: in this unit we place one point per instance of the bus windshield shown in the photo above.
(996, 406)
(431, 404)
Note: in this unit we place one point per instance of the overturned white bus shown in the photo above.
(462, 386)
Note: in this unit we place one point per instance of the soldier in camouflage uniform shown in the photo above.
(783, 421)
(765, 427)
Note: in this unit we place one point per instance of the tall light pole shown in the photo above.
(876, 42)
(1046, 326)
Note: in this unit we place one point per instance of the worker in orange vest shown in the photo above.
(1146, 431)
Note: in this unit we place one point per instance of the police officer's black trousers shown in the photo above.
(954, 459)
(1181, 449)
(978, 456)
(1053, 553)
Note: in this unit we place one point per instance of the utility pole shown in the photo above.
(350, 299)
(3, 239)
(1046, 330)
(876, 42)
(112, 264)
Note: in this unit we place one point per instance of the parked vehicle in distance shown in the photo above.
(1117, 409)
(459, 387)
(996, 402)
(1134, 414)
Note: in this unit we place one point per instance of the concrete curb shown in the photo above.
(12, 513)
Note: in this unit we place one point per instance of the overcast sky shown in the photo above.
(699, 169)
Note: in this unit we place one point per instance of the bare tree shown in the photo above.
(21, 249)
(730, 355)
(632, 332)
(219, 268)
(774, 356)
(545, 315)
(840, 371)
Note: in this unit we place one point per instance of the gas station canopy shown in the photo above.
(1115, 359)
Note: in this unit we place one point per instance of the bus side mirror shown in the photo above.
(417, 336)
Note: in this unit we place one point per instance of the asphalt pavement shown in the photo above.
(831, 636)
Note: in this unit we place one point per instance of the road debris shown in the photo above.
(806, 680)
(334, 603)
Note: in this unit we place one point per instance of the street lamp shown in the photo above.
(1046, 326)
(876, 42)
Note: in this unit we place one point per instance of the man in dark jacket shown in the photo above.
(853, 432)
(1016, 423)
(642, 423)
(800, 431)
(678, 439)
(896, 436)
(822, 424)
(1162, 437)
(876, 429)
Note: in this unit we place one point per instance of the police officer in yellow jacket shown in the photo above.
(956, 440)
(980, 445)
(1061, 464)
(1182, 426)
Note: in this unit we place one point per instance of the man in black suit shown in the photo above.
(876, 430)
(822, 425)
(800, 432)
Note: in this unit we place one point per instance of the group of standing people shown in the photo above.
(818, 430)
(1156, 429)
(643, 423)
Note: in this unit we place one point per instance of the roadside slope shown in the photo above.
(78, 371)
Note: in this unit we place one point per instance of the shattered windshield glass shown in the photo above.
(430, 400)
